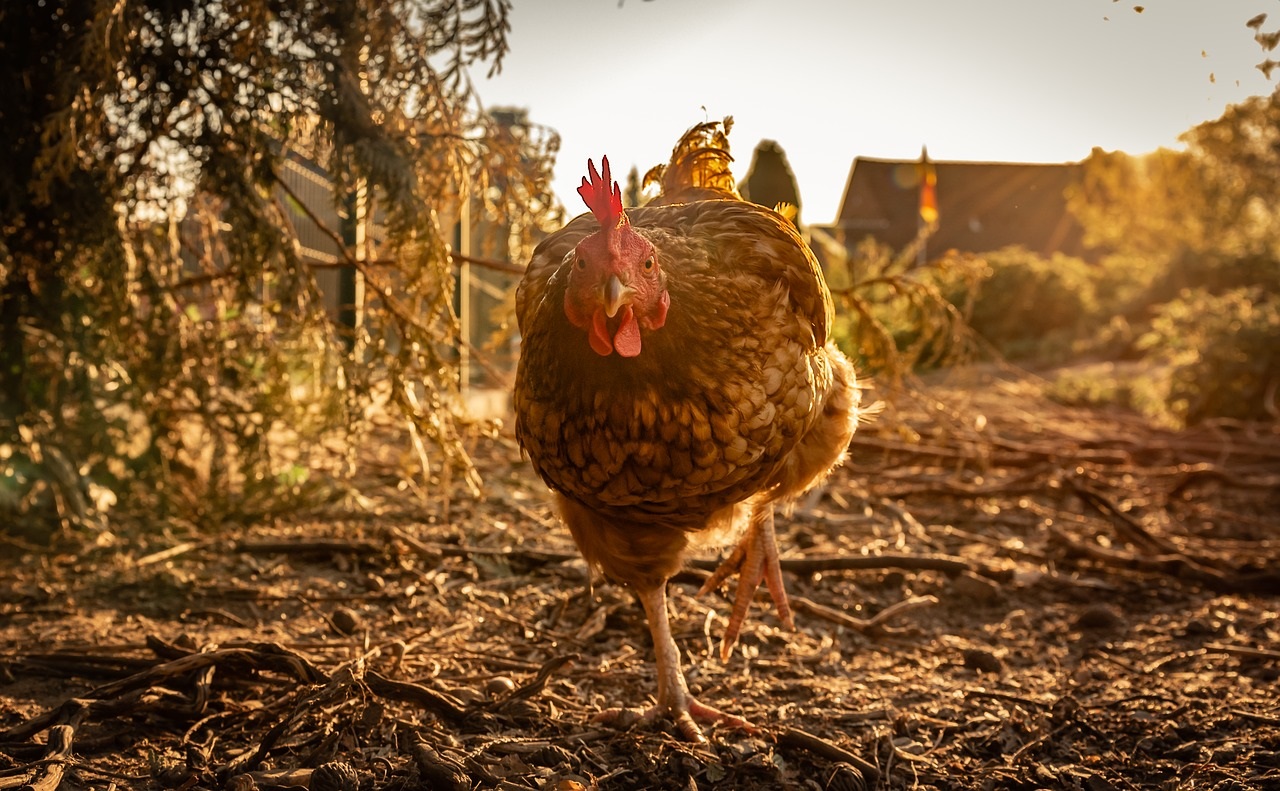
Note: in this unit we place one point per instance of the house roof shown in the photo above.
(982, 206)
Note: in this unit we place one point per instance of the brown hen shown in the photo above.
(675, 382)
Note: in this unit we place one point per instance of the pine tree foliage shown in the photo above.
(164, 348)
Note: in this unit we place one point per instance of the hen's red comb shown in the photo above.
(602, 195)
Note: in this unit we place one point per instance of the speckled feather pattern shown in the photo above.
(738, 399)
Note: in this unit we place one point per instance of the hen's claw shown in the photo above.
(688, 718)
(755, 559)
(674, 701)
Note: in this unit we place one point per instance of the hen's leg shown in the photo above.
(674, 700)
(755, 559)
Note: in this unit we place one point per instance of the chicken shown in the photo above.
(675, 382)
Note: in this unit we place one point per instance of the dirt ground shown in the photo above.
(995, 593)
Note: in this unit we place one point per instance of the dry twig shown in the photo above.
(876, 624)
(803, 740)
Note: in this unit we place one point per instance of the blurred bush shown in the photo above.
(1177, 319)
(1215, 272)
(1219, 353)
(166, 351)
(1029, 307)
(1192, 265)
(892, 315)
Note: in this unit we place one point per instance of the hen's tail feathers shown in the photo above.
(699, 167)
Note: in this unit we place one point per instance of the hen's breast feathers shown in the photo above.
(709, 414)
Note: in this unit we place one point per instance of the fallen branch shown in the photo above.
(875, 624)
(1193, 474)
(259, 656)
(445, 705)
(1243, 652)
(1052, 450)
(818, 563)
(434, 550)
(539, 681)
(1006, 696)
(1130, 528)
(48, 776)
(309, 545)
(1179, 566)
(1256, 716)
(803, 740)
(168, 554)
(287, 778)
(70, 712)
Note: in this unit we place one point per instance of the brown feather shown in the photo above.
(699, 167)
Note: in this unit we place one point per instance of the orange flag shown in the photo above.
(928, 189)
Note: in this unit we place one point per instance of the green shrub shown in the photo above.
(1030, 306)
(891, 313)
(1215, 273)
(1221, 353)
(1124, 284)
(1130, 385)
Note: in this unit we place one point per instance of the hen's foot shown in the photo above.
(688, 718)
(755, 559)
(674, 701)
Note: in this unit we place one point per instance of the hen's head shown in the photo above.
(616, 286)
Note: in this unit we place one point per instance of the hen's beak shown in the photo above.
(616, 295)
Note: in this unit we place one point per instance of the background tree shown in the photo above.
(161, 340)
(769, 180)
(1205, 216)
(1198, 232)
(633, 195)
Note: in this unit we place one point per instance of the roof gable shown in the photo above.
(982, 206)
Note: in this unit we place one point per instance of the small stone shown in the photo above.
(980, 589)
(345, 621)
(499, 685)
(893, 579)
(1099, 617)
(1199, 627)
(523, 710)
(982, 660)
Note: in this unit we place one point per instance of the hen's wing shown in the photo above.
(699, 170)
(759, 247)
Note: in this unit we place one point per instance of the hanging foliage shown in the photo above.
(164, 346)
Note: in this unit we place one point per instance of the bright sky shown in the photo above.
(994, 80)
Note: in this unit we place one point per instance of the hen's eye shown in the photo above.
(648, 264)
(582, 263)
